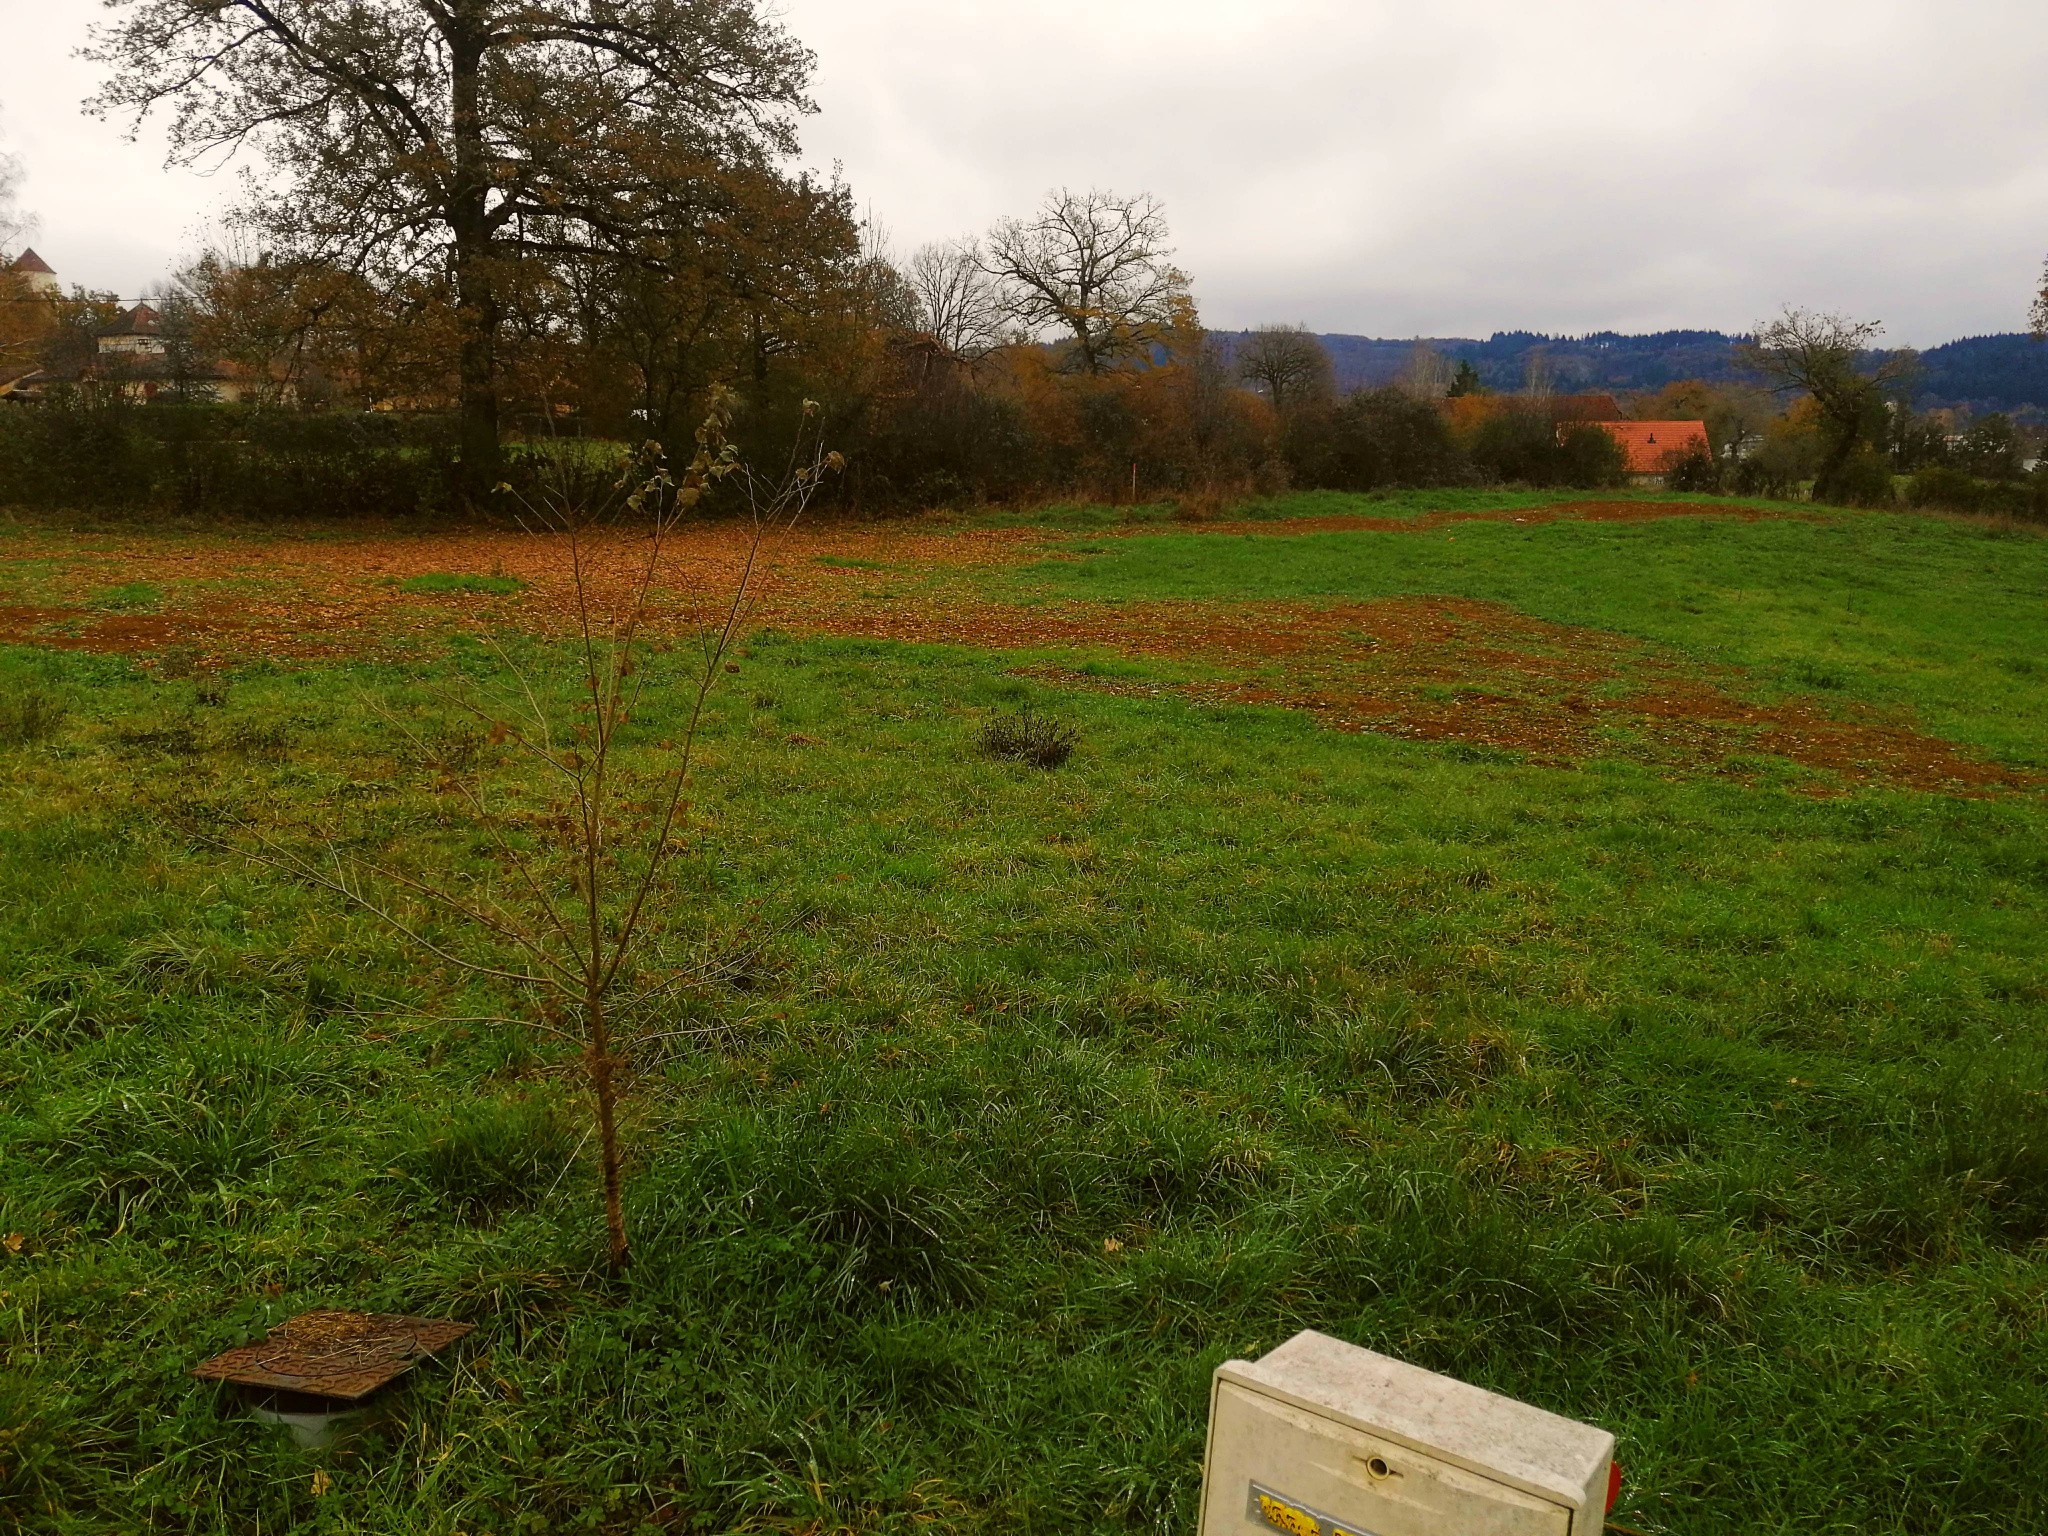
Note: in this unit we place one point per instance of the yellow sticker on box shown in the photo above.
(1296, 1519)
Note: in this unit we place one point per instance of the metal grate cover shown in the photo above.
(343, 1355)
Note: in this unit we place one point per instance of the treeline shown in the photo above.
(923, 424)
(933, 431)
(1978, 375)
(1058, 355)
(608, 234)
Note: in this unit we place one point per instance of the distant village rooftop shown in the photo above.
(142, 320)
(1653, 447)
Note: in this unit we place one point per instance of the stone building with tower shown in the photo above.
(37, 276)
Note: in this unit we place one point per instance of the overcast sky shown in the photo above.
(1451, 167)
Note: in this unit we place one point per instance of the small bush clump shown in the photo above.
(1696, 470)
(31, 714)
(1953, 490)
(1865, 480)
(490, 1155)
(1025, 736)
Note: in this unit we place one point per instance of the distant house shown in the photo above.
(36, 273)
(134, 356)
(1653, 448)
(138, 333)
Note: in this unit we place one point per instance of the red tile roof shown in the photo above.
(29, 261)
(1654, 446)
(139, 321)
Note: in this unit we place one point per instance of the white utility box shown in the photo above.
(1321, 1438)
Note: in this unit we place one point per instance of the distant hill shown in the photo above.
(1987, 373)
(1980, 373)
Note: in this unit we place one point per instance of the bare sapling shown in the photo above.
(586, 813)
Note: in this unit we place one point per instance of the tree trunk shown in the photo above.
(1084, 342)
(604, 1087)
(476, 314)
(1831, 467)
(476, 300)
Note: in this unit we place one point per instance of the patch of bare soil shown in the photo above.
(1453, 669)
(237, 599)
(83, 629)
(1432, 668)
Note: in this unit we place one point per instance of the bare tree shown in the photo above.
(1427, 374)
(1097, 266)
(584, 822)
(877, 294)
(1825, 356)
(14, 224)
(25, 312)
(958, 302)
(2038, 315)
(1288, 363)
(465, 137)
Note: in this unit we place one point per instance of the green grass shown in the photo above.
(1406, 503)
(130, 597)
(449, 581)
(1945, 617)
(1715, 1114)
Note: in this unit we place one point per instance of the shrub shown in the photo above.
(1524, 446)
(1864, 480)
(1025, 736)
(1371, 439)
(1590, 458)
(1694, 471)
(1949, 489)
(1762, 475)
(235, 461)
(1952, 490)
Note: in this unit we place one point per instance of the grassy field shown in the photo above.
(1703, 1095)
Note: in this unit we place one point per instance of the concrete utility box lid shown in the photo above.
(1322, 1438)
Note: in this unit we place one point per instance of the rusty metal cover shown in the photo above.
(345, 1355)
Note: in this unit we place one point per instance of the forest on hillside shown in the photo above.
(1976, 375)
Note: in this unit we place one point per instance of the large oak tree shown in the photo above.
(1097, 266)
(465, 141)
(1287, 362)
(1832, 359)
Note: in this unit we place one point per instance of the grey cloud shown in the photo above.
(1453, 167)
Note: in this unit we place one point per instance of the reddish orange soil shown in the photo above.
(1452, 669)
(1439, 669)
